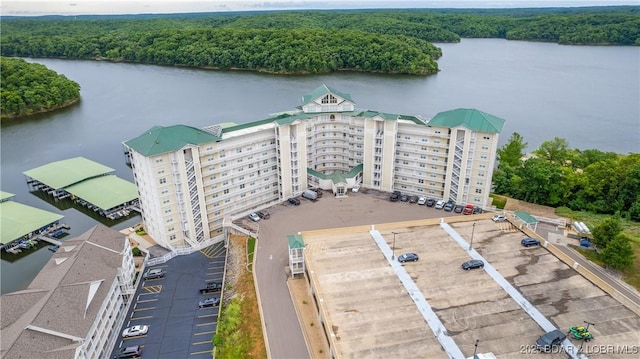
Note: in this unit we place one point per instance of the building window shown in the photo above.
(172, 237)
(161, 171)
(163, 180)
(486, 137)
(168, 210)
(164, 191)
(226, 191)
(478, 190)
(158, 159)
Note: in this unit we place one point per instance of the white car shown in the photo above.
(254, 216)
(135, 331)
(422, 200)
(499, 218)
(355, 188)
(440, 204)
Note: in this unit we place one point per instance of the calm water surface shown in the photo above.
(587, 95)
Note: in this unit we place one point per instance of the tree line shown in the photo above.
(581, 180)
(385, 41)
(558, 176)
(29, 88)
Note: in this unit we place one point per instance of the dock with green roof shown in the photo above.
(22, 225)
(86, 183)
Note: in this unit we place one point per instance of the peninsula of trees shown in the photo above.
(29, 88)
(299, 42)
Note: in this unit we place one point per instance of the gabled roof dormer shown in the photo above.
(326, 99)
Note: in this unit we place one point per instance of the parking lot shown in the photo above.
(177, 327)
(469, 303)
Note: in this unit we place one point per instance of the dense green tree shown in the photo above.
(556, 151)
(29, 88)
(538, 182)
(386, 41)
(618, 254)
(512, 152)
(605, 231)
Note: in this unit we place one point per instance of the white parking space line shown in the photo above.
(531, 310)
(205, 333)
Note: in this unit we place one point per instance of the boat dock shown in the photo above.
(86, 183)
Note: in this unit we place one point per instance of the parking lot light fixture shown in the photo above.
(476, 344)
(393, 247)
(473, 229)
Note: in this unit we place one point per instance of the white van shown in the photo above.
(309, 194)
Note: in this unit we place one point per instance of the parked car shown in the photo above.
(430, 202)
(128, 352)
(477, 209)
(355, 188)
(547, 341)
(153, 274)
(211, 287)
(294, 201)
(209, 302)
(499, 218)
(422, 200)
(528, 242)
(404, 197)
(395, 196)
(468, 209)
(310, 194)
(413, 199)
(439, 204)
(458, 208)
(408, 257)
(263, 215)
(472, 264)
(448, 206)
(135, 331)
(254, 216)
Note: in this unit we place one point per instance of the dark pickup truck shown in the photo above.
(211, 287)
(395, 196)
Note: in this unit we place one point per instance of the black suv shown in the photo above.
(395, 196)
(211, 287)
(472, 264)
(294, 201)
(431, 202)
(549, 340)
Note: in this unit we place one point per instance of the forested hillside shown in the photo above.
(29, 88)
(385, 41)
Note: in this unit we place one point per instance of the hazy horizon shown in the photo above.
(122, 7)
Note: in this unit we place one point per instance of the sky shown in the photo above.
(109, 7)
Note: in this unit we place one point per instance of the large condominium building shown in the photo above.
(189, 179)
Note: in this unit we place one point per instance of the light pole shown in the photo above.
(393, 247)
(473, 229)
(476, 346)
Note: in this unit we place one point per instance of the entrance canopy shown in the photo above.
(526, 219)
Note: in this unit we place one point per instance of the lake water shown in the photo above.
(587, 95)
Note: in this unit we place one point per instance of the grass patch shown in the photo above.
(499, 201)
(239, 332)
(251, 245)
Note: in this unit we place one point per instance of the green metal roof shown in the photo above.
(470, 118)
(295, 241)
(61, 174)
(525, 217)
(159, 140)
(5, 195)
(321, 91)
(390, 116)
(105, 192)
(337, 176)
(18, 219)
